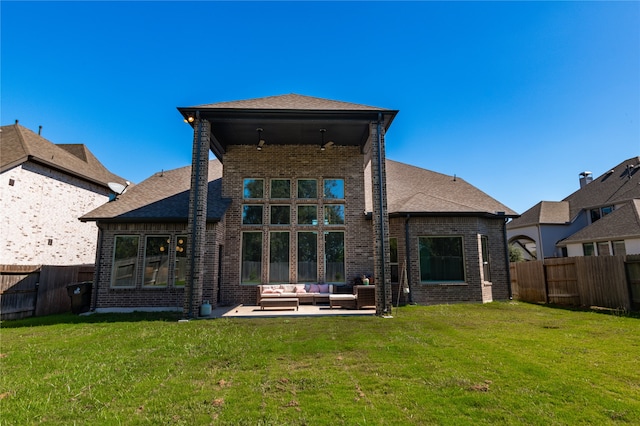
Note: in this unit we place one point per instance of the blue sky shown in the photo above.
(517, 98)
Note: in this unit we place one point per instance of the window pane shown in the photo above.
(124, 261)
(253, 188)
(307, 188)
(588, 249)
(307, 256)
(334, 215)
(441, 259)
(280, 188)
(280, 215)
(486, 266)
(279, 257)
(307, 215)
(334, 188)
(251, 215)
(603, 249)
(334, 257)
(181, 261)
(607, 210)
(595, 215)
(156, 261)
(251, 257)
(393, 255)
(619, 248)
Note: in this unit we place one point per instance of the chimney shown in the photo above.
(586, 178)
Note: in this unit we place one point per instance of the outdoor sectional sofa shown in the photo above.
(305, 293)
(291, 295)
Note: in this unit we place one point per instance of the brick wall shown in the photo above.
(40, 212)
(106, 297)
(293, 162)
(474, 289)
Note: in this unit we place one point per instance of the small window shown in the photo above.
(307, 215)
(606, 210)
(156, 260)
(181, 261)
(393, 255)
(125, 259)
(334, 214)
(280, 215)
(441, 259)
(588, 249)
(253, 188)
(251, 215)
(280, 188)
(486, 263)
(307, 188)
(619, 248)
(334, 189)
(603, 248)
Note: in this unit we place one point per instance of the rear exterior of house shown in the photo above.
(299, 194)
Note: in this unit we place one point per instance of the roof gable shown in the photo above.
(20, 145)
(163, 197)
(545, 212)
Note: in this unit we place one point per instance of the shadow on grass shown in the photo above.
(595, 309)
(69, 318)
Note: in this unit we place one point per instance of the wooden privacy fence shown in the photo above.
(38, 290)
(603, 281)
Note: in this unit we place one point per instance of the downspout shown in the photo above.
(382, 252)
(194, 226)
(408, 256)
(506, 257)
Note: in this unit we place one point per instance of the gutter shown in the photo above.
(506, 258)
(408, 256)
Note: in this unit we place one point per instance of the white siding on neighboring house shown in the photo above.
(40, 208)
(632, 246)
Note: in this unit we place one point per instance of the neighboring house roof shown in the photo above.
(545, 212)
(163, 197)
(614, 187)
(19, 145)
(623, 222)
(617, 186)
(414, 190)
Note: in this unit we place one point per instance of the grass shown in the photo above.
(504, 363)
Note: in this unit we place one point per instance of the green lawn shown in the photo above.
(505, 363)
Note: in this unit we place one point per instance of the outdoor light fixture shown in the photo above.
(323, 145)
(260, 140)
(189, 119)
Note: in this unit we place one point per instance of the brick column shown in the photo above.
(197, 222)
(381, 258)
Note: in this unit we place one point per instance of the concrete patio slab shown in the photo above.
(252, 311)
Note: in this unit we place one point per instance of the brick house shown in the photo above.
(301, 192)
(44, 189)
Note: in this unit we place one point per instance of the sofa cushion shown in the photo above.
(314, 288)
(300, 288)
(323, 288)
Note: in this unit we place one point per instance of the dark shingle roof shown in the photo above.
(412, 189)
(163, 197)
(19, 145)
(617, 186)
(623, 222)
(290, 102)
(545, 212)
(614, 187)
